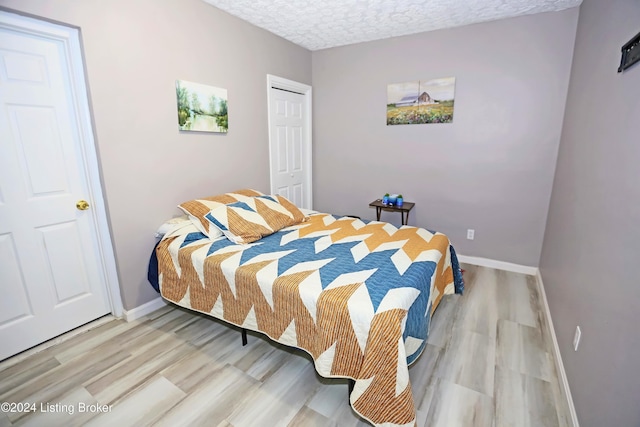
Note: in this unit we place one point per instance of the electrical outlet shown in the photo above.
(471, 233)
(576, 338)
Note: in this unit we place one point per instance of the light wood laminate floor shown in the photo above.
(488, 362)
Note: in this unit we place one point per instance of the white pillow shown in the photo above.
(172, 225)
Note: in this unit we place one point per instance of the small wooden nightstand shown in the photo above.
(404, 209)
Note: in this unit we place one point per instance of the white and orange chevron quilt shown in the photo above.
(357, 296)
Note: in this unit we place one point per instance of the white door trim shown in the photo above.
(290, 85)
(70, 38)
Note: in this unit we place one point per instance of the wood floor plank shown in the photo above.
(458, 406)
(195, 367)
(328, 399)
(4, 420)
(517, 301)
(469, 361)
(55, 383)
(522, 400)
(161, 311)
(17, 374)
(276, 402)
(135, 370)
(89, 340)
(442, 321)
(422, 375)
(201, 331)
(332, 401)
(561, 405)
(521, 348)
(72, 409)
(215, 398)
(227, 347)
(307, 417)
(262, 361)
(480, 302)
(143, 406)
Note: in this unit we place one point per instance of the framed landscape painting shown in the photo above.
(422, 101)
(201, 108)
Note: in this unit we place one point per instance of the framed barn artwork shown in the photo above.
(421, 101)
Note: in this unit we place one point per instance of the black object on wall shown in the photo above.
(630, 53)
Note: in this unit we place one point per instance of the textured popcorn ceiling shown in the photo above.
(317, 24)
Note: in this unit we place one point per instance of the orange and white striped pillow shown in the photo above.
(249, 220)
(196, 209)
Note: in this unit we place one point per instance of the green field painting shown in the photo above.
(201, 108)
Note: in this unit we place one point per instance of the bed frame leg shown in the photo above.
(244, 337)
(352, 384)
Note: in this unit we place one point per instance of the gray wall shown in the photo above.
(591, 247)
(134, 51)
(490, 170)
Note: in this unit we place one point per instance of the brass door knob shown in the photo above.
(82, 205)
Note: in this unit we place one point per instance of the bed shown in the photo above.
(356, 295)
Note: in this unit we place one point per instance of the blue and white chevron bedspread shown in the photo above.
(357, 296)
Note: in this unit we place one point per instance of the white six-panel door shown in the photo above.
(290, 145)
(52, 278)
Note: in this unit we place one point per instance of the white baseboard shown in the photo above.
(562, 375)
(500, 265)
(144, 309)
